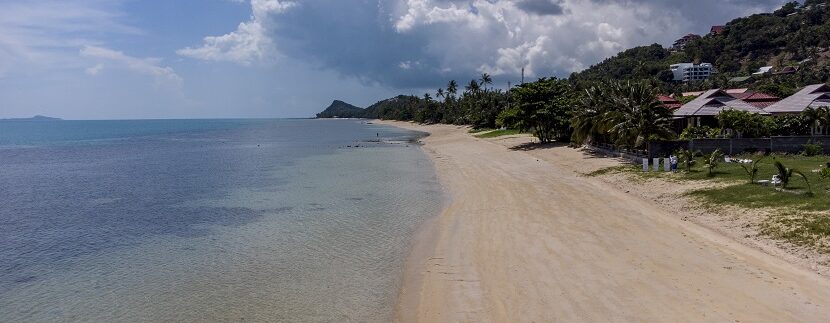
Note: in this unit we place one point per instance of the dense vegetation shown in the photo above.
(795, 35)
(588, 107)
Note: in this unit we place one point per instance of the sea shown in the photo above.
(278, 220)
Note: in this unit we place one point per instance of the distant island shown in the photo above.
(340, 109)
(35, 118)
(386, 109)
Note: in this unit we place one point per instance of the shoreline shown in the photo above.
(522, 238)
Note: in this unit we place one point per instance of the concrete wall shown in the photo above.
(792, 145)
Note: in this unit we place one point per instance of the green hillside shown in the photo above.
(795, 35)
(340, 109)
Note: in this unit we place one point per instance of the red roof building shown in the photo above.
(757, 99)
(669, 102)
(716, 30)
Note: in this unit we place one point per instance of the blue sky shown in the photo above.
(118, 59)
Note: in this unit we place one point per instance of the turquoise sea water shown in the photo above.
(205, 220)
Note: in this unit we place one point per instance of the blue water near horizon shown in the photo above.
(191, 220)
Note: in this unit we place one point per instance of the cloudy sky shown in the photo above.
(116, 59)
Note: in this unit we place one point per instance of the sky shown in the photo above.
(140, 59)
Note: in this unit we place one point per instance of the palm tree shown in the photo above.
(636, 115)
(752, 169)
(472, 87)
(785, 174)
(687, 157)
(714, 159)
(485, 80)
(439, 93)
(452, 88)
(587, 121)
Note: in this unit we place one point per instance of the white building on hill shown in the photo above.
(689, 72)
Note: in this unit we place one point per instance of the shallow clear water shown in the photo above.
(193, 220)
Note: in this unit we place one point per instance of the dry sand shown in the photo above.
(528, 239)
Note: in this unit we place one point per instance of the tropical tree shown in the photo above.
(472, 87)
(452, 88)
(752, 169)
(485, 80)
(636, 116)
(542, 108)
(713, 161)
(687, 157)
(785, 174)
(588, 119)
(745, 123)
(817, 118)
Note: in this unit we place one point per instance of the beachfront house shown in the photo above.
(690, 72)
(703, 110)
(813, 96)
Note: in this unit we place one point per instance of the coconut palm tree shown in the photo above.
(485, 80)
(713, 161)
(636, 115)
(752, 169)
(472, 87)
(452, 88)
(587, 121)
(785, 174)
(687, 157)
(439, 93)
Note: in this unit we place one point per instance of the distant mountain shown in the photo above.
(340, 109)
(401, 107)
(35, 118)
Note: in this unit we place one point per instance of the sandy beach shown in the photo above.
(528, 239)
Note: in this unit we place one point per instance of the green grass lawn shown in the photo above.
(480, 130)
(498, 133)
(799, 218)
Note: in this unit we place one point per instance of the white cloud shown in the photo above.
(552, 36)
(95, 69)
(249, 43)
(47, 34)
(164, 76)
(424, 12)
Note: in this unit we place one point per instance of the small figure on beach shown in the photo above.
(673, 162)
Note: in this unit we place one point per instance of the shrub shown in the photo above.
(812, 149)
(695, 133)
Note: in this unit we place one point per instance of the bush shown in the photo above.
(812, 149)
(695, 133)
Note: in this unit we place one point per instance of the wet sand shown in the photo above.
(526, 239)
